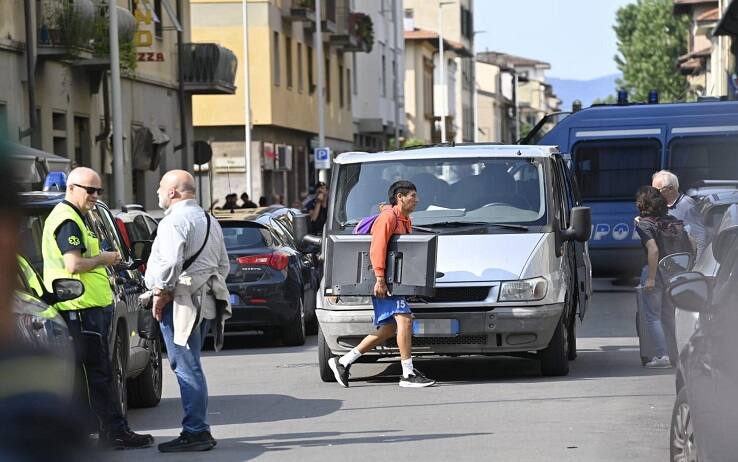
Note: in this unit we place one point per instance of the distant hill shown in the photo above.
(584, 90)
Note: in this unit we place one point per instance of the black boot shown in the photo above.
(126, 439)
(187, 442)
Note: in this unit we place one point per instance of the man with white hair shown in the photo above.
(681, 207)
(186, 273)
(71, 249)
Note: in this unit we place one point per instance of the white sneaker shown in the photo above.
(659, 362)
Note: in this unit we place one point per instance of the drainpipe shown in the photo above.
(184, 145)
(31, 71)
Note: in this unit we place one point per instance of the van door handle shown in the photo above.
(439, 274)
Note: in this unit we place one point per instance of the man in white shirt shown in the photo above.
(186, 273)
(681, 207)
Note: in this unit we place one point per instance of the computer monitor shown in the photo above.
(410, 268)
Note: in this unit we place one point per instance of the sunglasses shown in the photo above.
(90, 189)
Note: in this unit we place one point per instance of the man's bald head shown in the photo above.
(175, 185)
(79, 182)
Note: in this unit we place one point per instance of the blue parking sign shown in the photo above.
(322, 158)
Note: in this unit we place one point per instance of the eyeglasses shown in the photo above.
(665, 188)
(90, 189)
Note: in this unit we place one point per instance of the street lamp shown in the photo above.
(442, 61)
(475, 94)
(246, 96)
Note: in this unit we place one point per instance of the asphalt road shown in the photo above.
(268, 403)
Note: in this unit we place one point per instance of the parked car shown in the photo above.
(705, 413)
(136, 225)
(512, 271)
(271, 281)
(136, 361)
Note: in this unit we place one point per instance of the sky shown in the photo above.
(575, 36)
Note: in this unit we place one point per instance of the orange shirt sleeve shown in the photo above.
(382, 231)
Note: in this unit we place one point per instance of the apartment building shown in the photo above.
(710, 64)
(378, 89)
(283, 83)
(66, 48)
(457, 19)
(496, 106)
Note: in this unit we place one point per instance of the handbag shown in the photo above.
(148, 326)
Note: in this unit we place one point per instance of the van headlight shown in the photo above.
(523, 291)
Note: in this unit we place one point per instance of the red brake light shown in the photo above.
(276, 260)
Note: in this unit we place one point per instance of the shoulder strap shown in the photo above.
(192, 259)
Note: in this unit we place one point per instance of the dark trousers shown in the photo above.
(90, 329)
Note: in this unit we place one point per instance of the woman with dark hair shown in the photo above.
(657, 231)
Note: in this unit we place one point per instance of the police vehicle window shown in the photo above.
(495, 190)
(240, 235)
(32, 228)
(109, 236)
(614, 169)
(698, 158)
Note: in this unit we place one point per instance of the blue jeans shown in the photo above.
(651, 301)
(185, 362)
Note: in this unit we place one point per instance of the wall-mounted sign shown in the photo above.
(269, 156)
(143, 38)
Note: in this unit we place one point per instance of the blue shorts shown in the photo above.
(386, 308)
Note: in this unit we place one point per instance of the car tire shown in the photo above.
(324, 354)
(118, 367)
(145, 389)
(311, 319)
(293, 334)
(682, 444)
(572, 337)
(555, 357)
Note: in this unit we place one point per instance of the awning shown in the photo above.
(728, 24)
(30, 165)
(148, 142)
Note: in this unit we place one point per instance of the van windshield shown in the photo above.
(499, 190)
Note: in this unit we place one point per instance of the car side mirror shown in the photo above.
(675, 263)
(303, 239)
(67, 289)
(581, 225)
(141, 251)
(690, 292)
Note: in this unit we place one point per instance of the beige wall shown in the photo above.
(271, 104)
(417, 124)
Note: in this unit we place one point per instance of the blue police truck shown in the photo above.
(615, 149)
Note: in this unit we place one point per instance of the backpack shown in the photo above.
(672, 237)
(366, 223)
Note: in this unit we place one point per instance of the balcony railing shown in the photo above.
(300, 11)
(66, 27)
(358, 36)
(209, 69)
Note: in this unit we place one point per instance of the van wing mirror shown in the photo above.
(675, 263)
(64, 289)
(580, 228)
(303, 239)
(690, 292)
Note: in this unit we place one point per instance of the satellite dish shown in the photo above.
(203, 152)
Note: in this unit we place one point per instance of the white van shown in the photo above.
(512, 268)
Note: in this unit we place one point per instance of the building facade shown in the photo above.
(496, 109)
(283, 92)
(378, 89)
(68, 53)
(457, 20)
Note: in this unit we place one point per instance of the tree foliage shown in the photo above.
(650, 39)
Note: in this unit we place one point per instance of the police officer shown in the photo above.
(72, 250)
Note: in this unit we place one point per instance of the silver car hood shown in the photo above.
(485, 257)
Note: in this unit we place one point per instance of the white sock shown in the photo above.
(349, 358)
(407, 367)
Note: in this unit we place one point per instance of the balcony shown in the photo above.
(66, 28)
(300, 11)
(358, 35)
(209, 69)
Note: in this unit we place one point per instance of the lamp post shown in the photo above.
(475, 94)
(322, 174)
(442, 70)
(115, 90)
(247, 95)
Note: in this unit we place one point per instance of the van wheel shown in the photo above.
(572, 337)
(145, 390)
(311, 319)
(293, 334)
(555, 357)
(324, 354)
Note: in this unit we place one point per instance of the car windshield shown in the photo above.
(239, 236)
(499, 190)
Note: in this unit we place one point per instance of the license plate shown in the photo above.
(435, 327)
(235, 299)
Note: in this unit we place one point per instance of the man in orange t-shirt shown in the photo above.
(392, 314)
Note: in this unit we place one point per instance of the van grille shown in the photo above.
(457, 340)
(458, 294)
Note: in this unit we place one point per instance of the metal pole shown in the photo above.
(31, 71)
(246, 96)
(183, 125)
(322, 174)
(118, 166)
(395, 6)
(515, 102)
(441, 60)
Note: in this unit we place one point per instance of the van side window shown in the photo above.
(697, 158)
(615, 169)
